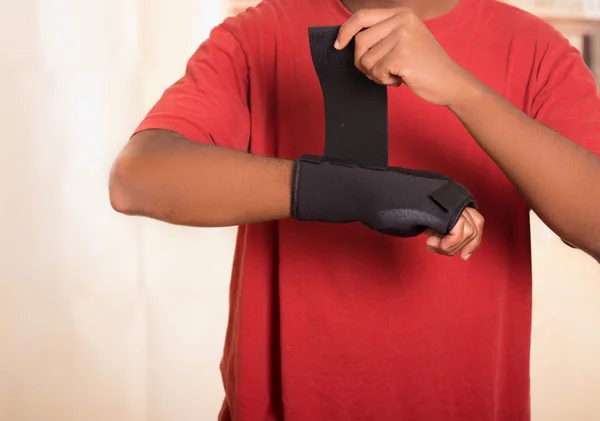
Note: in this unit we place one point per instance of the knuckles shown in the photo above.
(359, 39)
(379, 75)
(406, 17)
(366, 62)
(480, 222)
(469, 231)
(400, 33)
(361, 15)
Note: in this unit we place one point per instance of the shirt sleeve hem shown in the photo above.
(181, 127)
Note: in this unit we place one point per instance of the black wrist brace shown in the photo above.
(353, 183)
(392, 201)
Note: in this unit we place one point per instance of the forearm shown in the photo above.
(559, 179)
(163, 176)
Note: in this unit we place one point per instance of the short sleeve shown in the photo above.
(209, 104)
(566, 98)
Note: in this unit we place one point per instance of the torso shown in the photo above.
(337, 322)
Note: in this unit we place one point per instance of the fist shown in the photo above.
(464, 238)
(396, 47)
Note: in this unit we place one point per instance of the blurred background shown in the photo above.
(104, 317)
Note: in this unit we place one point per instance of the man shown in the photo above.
(336, 321)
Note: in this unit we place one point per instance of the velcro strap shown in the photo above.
(356, 110)
(324, 56)
(450, 195)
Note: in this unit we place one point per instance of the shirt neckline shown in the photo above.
(459, 14)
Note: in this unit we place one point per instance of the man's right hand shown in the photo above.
(164, 176)
(394, 201)
(464, 238)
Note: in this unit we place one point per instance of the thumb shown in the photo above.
(434, 241)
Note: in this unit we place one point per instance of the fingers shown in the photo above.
(371, 61)
(433, 241)
(374, 47)
(464, 238)
(388, 70)
(469, 234)
(472, 246)
(459, 235)
(365, 40)
(364, 18)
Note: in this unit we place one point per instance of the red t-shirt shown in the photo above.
(337, 322)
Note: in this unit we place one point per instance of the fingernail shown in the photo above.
(467, 257)
(336, 45)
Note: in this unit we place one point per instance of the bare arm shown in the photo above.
(164, 176)
(559, 179)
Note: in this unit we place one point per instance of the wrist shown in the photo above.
(468, 92)
(325, 191)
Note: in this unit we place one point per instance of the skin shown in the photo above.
(398, 48)
(164, 176)
(161, 175)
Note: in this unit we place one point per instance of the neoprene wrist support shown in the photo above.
(391, 200)
(353, 182)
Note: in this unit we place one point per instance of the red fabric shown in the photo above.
(336, 322)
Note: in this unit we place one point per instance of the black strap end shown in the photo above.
(452, 195)
(324, 55)
(313, 159)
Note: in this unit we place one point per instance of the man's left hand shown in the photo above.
(396, 47)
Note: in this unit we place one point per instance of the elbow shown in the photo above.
(590, 246)
(593, 251)
(596, 253)
(120, 195)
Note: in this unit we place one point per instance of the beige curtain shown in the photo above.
(104, 317)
